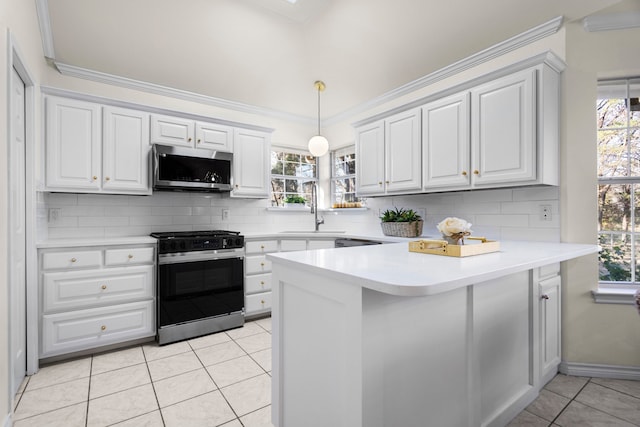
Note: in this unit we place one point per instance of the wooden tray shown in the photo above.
(441, 247)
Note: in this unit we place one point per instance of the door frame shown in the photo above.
(16, 60)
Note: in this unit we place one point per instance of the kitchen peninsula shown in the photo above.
(379, 336)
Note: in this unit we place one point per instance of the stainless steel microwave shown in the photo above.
(190, 169)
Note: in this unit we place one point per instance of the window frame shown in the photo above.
(301, 179)
(611, 291)
(349, 149)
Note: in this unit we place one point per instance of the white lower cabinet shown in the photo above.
(549, 307)
(257, 282)
(95, 296)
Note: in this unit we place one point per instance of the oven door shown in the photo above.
(195, 290)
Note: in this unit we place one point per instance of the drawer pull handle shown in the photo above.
(464, 173)
(189, 140)
(107, 179)
(130, 256)
(73, 260)
(262, 264)
(103, 287)
(476, 172)
(198, 140)
(103, 328)
(544, 296)
(379, 182)
(262, 283)
(261, 246)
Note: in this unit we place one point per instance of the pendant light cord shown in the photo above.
(318, 110)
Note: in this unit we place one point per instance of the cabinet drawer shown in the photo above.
(257, 302)
(293, 245)
(129, 256)
(81, 289)
(261, 246)
(84, 329)
(71, 259)
(257, 264)
(257, 283)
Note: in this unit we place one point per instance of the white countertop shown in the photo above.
(392, 269)
(96, 241)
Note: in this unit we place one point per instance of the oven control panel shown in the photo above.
(167, 246)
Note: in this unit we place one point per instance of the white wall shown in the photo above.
(592, 333)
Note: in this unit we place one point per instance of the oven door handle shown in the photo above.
(164, 259)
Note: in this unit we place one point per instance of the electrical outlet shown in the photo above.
(54, 215)
(225, 214)
(545, 212)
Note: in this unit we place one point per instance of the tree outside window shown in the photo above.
(343, 175)
(618, 127)
(292, 174)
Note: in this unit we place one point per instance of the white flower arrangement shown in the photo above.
(454, 229)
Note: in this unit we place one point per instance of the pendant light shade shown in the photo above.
(318, 145)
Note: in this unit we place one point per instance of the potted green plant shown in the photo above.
(294, 202)
(401, 222)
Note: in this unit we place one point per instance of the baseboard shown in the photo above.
(600, 371)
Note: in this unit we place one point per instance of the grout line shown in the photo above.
(601, 410)
(86, 417)
(569, 402)
(144, 355)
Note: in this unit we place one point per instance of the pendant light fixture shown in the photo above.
(318, 145)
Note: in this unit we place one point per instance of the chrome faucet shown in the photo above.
(314, 206)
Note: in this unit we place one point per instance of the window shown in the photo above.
(292, 174)
(618, 127)
(343, 175)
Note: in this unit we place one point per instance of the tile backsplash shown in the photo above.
(504, 214)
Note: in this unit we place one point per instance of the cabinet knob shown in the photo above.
(262, 264)
(464, 173)
(387, 182)
(103, 328)
(261, 301)
(379, 182)
(129, 256)
(476, 172)
(198, 140)
(189, 140)
(103, 287)
(73, 260)
(544, 296)
(236, 185)
(261, 283)
(261, 246)
(94, 177)
(107, 179)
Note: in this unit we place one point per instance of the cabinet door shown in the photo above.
(550, 327)
(403, 152)
(503, 130)
(214, 137)
(73, 157)
(370, 159)
(125, 155)
(445, 142)
(169, 130)
(251, 164)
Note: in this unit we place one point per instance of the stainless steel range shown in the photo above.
(200, 283)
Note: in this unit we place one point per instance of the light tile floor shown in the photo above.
(224, 379)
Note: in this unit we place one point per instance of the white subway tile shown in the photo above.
(60, 199)
(536, 193)
(193, 220)
(127, 210)
(173, 227)
(127, 231)
(103, 199)
(75, 232)
(82, 210)
(103, 221)
(205, 210)
(537, 235)
(150, 220)
(502, 220)
(64, 222)
(484, 196)
(171, 210)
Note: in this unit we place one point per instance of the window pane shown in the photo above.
(276, 163)
(634, 146)
(291, 186)
(612, 112)
(614, 202)
(615, 257)
(612, 153)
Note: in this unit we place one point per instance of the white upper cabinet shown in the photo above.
(445, 143)
(125, 155)
(214, 136)
(87, 152)
(169, 130)
(403, 168)
(503, 130)
(73, 145)
(370, 158)
(389, 155)
(251, 163)
(176, 131)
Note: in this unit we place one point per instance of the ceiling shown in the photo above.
(268, 53)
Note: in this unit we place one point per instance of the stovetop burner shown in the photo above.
(204, 240)
(191, 234)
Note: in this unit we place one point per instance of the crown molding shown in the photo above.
(541, 31)
(42, 10)
(100, 77)
(612, 21)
